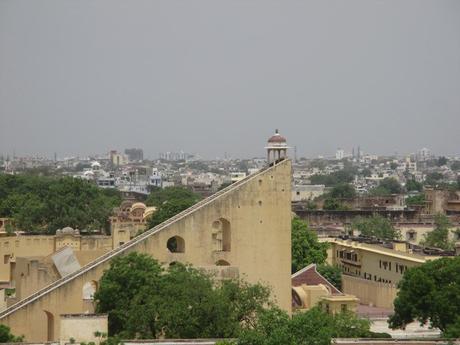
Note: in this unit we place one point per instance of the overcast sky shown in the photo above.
(87, 76)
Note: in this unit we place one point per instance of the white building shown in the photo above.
(424, 154)
(155, 178)
(339, 154)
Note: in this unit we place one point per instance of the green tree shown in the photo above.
(168, 210)
(387, 186)
(412, 185)
(376, 226)
(345, 175)
(311, 205)
(432, 179)
(333, 274)
(439, 236)
(7, 337)
(455, 166)
(45, 204)
(144, 300)
(305, 247)
(312, 327)
(366, 172)
(429, 292)
(169, 202)
(333, 204)
(327, 180)
(415, 200)
(441, 161)
(343, 190)
(453, 329)
(348, 325)
(159, 196)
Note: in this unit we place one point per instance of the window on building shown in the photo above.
(411, 235)
(343, 307)
(176, 244)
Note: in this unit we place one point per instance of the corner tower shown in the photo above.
(276, 148)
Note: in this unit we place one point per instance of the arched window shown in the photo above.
(49, 325)
(222, 263)
(221, 235)
(89, 289)
(176, 244)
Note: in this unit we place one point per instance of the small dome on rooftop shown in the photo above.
(277, 138)
(67, 231)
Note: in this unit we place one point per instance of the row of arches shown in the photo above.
(221, 238)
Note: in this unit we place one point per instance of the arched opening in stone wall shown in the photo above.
(89, 289)
(176, 244)
(49, 326)
(221, 235)
(222, 263)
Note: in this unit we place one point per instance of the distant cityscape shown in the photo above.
(372, 219)
(130, 171)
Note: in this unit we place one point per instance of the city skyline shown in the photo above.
(352, 152)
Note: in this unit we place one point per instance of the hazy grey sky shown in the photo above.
(216, 76)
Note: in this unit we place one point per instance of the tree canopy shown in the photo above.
(376, 226)
(7, 337)
(441, 161)
(415, 200)
(345, 175)
(44, 204)
(412, 185)
(305, 247)
(439, 236)
(343, 190)
(169, 202)
(312, 327)
(332, 204)
(432, 179)
(387, 186)
(430, 293)
(159, 196)
(144, 300)
(306, 250)
(333, 274)
(455, 166)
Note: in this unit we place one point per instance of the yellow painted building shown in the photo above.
(13, 247)
(371, 272)
(244, 228)
(128, 220)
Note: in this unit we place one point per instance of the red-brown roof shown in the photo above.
(310, 276)
(277, 138)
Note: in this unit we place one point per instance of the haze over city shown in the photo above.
(213, 77)
(232, 172)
